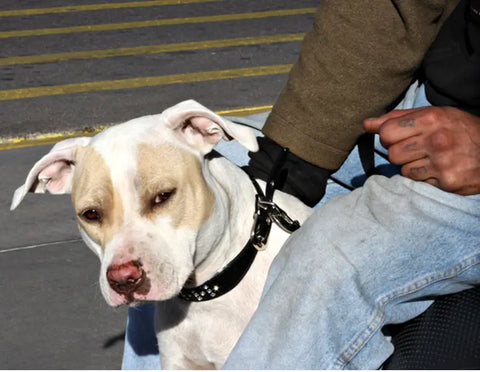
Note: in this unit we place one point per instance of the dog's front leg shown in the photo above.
(183, 363)
(174, 355)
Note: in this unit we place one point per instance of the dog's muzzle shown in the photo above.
(127, 278)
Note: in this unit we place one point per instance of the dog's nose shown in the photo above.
(126, 278)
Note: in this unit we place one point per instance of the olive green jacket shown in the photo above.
(358, 59)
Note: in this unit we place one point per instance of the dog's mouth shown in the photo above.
(140, 294)
(135, 298)
(131, 286)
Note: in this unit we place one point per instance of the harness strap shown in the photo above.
(366, 152)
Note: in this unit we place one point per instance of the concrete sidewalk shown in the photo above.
(53, 314)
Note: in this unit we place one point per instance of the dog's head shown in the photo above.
(141, 196)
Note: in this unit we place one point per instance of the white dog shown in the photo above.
(168, 217)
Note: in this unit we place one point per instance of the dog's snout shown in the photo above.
(126, 278)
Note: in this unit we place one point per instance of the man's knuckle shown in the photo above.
(441, 140)
(434, 114)
(449, 180)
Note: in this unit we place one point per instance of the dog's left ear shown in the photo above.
(53, 172)
(203, 129)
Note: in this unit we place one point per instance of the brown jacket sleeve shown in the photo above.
(355, 62)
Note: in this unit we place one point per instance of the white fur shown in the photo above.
(190, 335)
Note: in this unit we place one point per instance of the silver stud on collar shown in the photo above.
(200, 293)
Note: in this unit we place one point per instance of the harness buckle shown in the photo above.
(262, 223)
(283, 220)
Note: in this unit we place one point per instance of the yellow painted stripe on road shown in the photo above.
(51, 138)
(92, 7)
(97, 86)
(45, 139)
(150, 49)
(156, 23)
(245, 111)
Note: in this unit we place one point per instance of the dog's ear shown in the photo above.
(53, 173)
(203, 129)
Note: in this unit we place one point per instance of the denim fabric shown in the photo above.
(141, 349)
(376, 255)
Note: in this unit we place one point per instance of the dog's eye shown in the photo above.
(161, 198)
(92, 215)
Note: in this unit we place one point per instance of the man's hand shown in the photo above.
(438, 145)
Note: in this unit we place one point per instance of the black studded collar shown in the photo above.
(266, 212)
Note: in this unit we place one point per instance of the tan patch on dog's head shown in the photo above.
(167, 181)
(93, 192)
(174, 178)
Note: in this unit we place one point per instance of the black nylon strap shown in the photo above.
(366, 151)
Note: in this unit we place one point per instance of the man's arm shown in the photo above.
(357, 60)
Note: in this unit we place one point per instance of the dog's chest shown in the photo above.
(199, 335)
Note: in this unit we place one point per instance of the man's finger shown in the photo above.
(372, 125)
(406, 151)
(419, 170)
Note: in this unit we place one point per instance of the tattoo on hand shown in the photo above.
(405, 123)
(411, 146)
(419, 170)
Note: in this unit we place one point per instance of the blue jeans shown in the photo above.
(373, 256)
(377, 255)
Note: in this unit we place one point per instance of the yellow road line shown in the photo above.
(156, 23)
(244, 111)
(91, 7)
(45, 139)
(150, 81)
(51, 138)
(150, 49)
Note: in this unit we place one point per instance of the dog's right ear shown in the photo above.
(53, 173)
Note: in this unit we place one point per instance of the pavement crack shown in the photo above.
(40, 245)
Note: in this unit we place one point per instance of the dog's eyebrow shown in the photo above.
(93, 188)
(163, 168)
(91, 200)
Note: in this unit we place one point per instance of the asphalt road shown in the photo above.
(68, 67)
